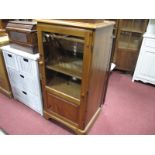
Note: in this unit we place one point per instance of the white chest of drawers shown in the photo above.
(145, 68)
(23, 74)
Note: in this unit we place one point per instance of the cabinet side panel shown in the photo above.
(4, 82)
(100, 70)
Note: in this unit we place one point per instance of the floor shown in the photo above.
(129, 109)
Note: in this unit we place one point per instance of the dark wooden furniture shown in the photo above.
(128, 43)
(115, 31)
(23, 35)
(74, 65)
(4, 82)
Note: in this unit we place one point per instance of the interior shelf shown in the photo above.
(132, 25)
(68, 65)
(126, 45)
(65, 42)
(129, 41)
(134, 30)
(63, 86)
(69, 38)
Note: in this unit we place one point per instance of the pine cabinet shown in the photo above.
(74, 65)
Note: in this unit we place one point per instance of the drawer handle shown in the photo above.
(24, 92)
(21, 76)
(10, 55)
(26, 60)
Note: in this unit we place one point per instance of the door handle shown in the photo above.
(40, 62)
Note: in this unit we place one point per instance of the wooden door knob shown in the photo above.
(40, 62)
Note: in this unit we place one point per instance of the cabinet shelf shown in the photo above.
(133, 25)
(128, 46)
(69, 66)
(69, 38)
(65, 87)
(129, 40)
(133, 30)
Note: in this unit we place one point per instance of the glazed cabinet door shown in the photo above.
(65, 63)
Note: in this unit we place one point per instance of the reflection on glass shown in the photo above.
(129, 40)
(64, 61)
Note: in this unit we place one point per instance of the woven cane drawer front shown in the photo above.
(28, 99)
(10, 60)
(149, 42)
(26, 65)
(22, 81)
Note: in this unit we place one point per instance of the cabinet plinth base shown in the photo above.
(77, 130)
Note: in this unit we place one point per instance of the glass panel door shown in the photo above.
(64, 63)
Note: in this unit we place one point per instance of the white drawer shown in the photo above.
(28, 99)
(14, 78)
(35, 104)
(23, 82)
(26, 65)
(20, 95)
(149, 42)
(10, 60)
(148, 49)
(28, 84)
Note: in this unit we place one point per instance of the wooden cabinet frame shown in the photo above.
(85, 115)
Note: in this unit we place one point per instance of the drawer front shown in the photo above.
(26, 65)
(62, 107)
(28, 99)
(148, 50)
(150, 42)
(14, 79)
(20, 95)
(10, 60)
(22, 81)
(35, 103)
(28, 84)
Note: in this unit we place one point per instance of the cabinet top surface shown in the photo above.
(21, 53)
(82, 23)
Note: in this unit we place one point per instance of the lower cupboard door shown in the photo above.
(62, 107)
